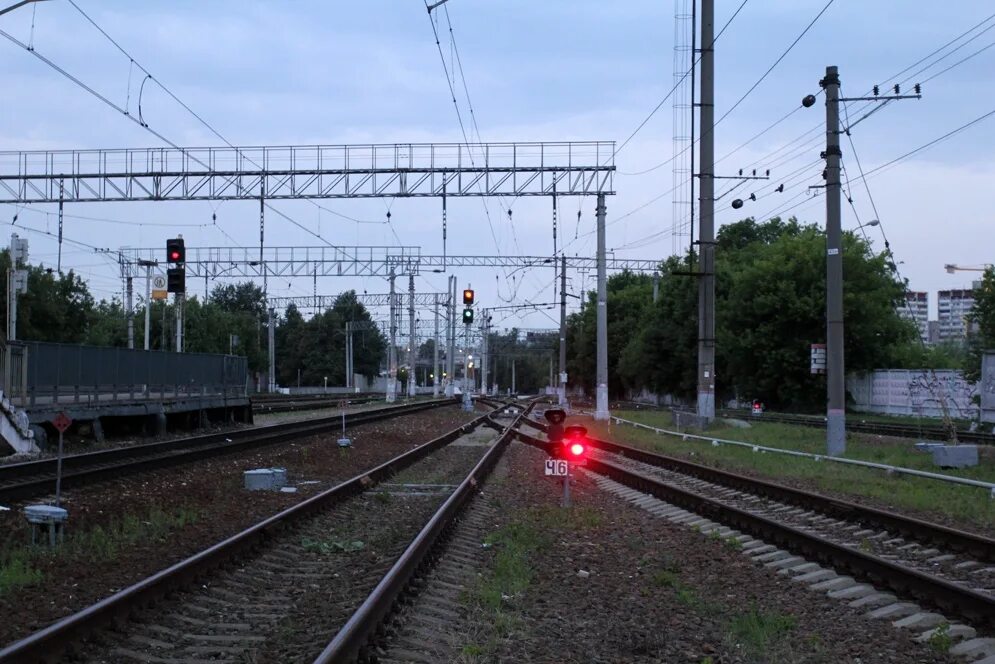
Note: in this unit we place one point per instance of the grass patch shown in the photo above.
(21, 565)
(940, 639)
(968, 505)
(512, 571)
(760, 632)
(16, 573)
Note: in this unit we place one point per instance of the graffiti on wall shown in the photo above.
(988, 387)
(928, 389)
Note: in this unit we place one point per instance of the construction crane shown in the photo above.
(950, 268)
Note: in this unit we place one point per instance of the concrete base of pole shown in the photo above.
(601, 407)
(391, 391)
(561, 393)
(450, 391)
(706, 405)
(836, 433)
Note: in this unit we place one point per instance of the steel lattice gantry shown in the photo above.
(308, 172)
(366, 299)
(244, 262)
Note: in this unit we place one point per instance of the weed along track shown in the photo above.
(278, 590)
(917, 575)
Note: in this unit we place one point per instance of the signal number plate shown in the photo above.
(557, 468)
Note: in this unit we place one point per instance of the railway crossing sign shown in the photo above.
(557, 468)
(159, 287)
(61, 422)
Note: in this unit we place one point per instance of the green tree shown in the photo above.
(56, 307)
(982, 319)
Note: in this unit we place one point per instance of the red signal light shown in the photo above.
(174, 256)
(577, 449)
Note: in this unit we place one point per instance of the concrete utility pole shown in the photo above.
(271, 340)
(348, 354)
(706, 234)
(412, 346)
(562, 390)
(392, 351)
(452, 343)
(148, 305)
(514, 390)
(129, 304)
(656, 286)
(601, 408)
(436, 376)
(484, 327)
(836, 397)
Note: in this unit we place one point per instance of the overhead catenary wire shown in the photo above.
(806, 141)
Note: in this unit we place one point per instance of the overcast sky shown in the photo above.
(282, 73)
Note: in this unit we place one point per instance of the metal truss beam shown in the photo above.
(324, 302)
(308, 172)
(244, 262)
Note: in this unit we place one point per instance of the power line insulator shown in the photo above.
(918, 89)
(898, 89)
(876, 91)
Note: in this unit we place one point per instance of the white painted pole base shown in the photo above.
(601, 408)
(836, 433)
(706, 405)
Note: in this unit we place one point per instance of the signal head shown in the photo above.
(175, 250)
(468, 316)
(468, 296)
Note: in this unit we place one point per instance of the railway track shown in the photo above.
(32, 478)
(278, 590)
(853, 424)
(928, 432)
(268, 406)
(945, 569)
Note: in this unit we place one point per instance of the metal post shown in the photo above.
(130, 312)
(836, 397)
(148, 306)
(656, 286)
(706, 220)
(435, 351)
(180, 297)
(412, 349)
(62, 190)
(58, 473)
(566, 488)
(392, 351)
(601, 408)
(262, 214)
(514, 390)
(562, 389)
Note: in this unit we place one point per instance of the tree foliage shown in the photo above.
(982, 320)
(770, 306)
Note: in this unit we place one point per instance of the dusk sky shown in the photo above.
(370, 72)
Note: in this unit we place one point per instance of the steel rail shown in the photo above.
(30, 478)
(930, 432)
(49, 643)
(348, 643)
(977, 546)
(948, 597)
